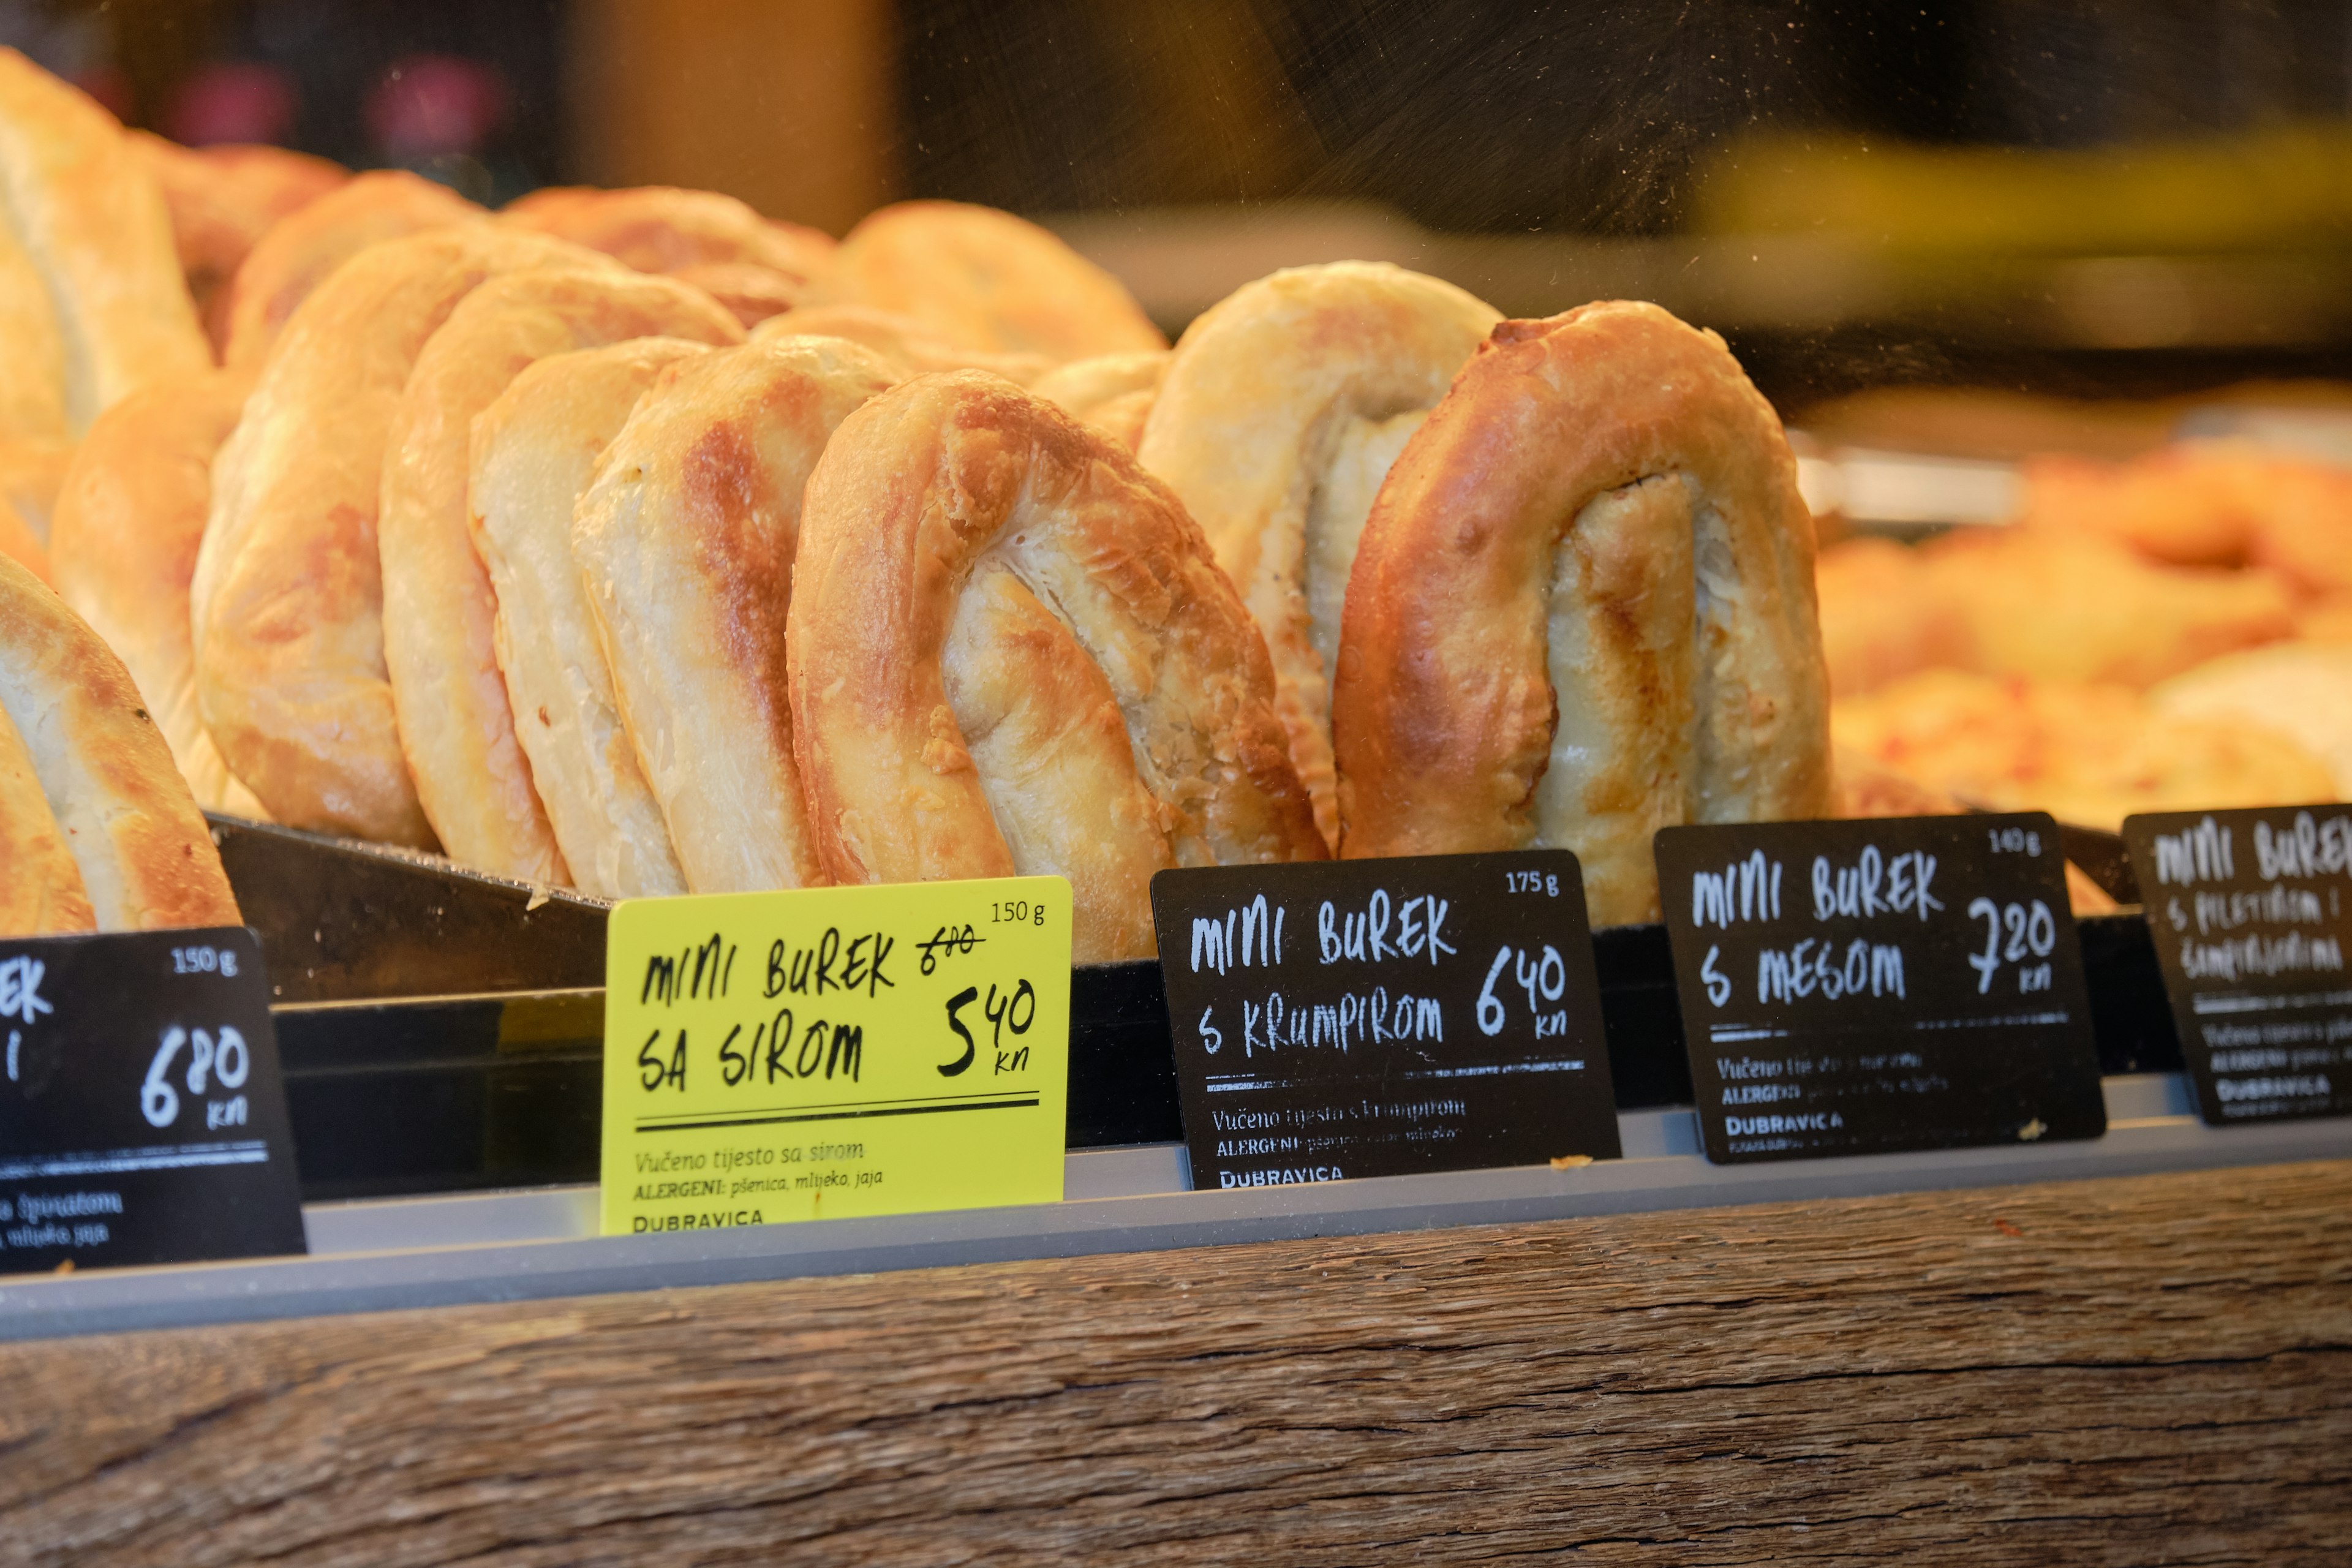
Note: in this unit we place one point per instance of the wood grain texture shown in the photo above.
(2118, 1372)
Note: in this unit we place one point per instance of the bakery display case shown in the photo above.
(472, 476)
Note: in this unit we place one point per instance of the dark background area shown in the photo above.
(1467, 118)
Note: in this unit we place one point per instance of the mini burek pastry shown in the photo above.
(145, 856)
(129, 521)
(990, 281)
(41, 895)
(1010, 652)
(31, 473)
(685, 544)
(286, 607)
(222, 200)
(910, 346)
(1113, 392)
(753, 265)
(439, 638)
(300, 252)
(534, 452)
(1279, 415)
(2086, 753)
(1583, 610)
(33, 392)
(20, 544)
(88, 216)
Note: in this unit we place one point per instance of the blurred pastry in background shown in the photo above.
(2300, 689)
(2086, 753)
(757, 267)
(223, 199)
(2050, 605)
(988, 279)
(911, 347)
(2070, 608)
(1884, 615)
(2206, 504)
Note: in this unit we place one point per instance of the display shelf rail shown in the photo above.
(532, 1243)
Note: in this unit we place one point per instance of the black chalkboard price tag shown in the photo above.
(1380, 1017)
(1865, 987)
(142, 1115)
(2252, 915)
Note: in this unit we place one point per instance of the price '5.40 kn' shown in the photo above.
(838, 1051)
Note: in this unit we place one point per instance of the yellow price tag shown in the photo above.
(835, 1051)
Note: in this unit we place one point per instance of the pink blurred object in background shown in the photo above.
(431, 106)
(232, 102)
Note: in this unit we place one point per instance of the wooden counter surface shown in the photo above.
(2157, 1368)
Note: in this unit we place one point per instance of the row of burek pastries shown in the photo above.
(2170, 632)
(630, 542)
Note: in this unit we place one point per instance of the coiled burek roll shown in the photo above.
(142, 857)
(130, 519)
(686, 541)
(1010, 652)
(534, 453)
(1583, 610)
(286, 606)
(440, 613)
(1276, 422)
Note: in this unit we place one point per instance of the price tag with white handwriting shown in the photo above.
(141, 1116)
(1384, 1017)
(1862, 987)
(835, 1051)
(2251, 918)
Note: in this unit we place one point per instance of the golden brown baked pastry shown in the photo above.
(89, 216)
(910, 346)
(1281, 412)
(2302, 689)
(534, 452)
(1113, 392)
(439, 617)
(18, 542)
(129, 523)
(1011, 652)
(286, 607)
(30, 474)
(33, 347)
(146, 857)
(987, 279)
(755, 265)
(301, 251)
(1885, 615)
(686, 542)
(222, 200)
(1583, 610)
(2091, 755)
(2075, 607)
(41, 895)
